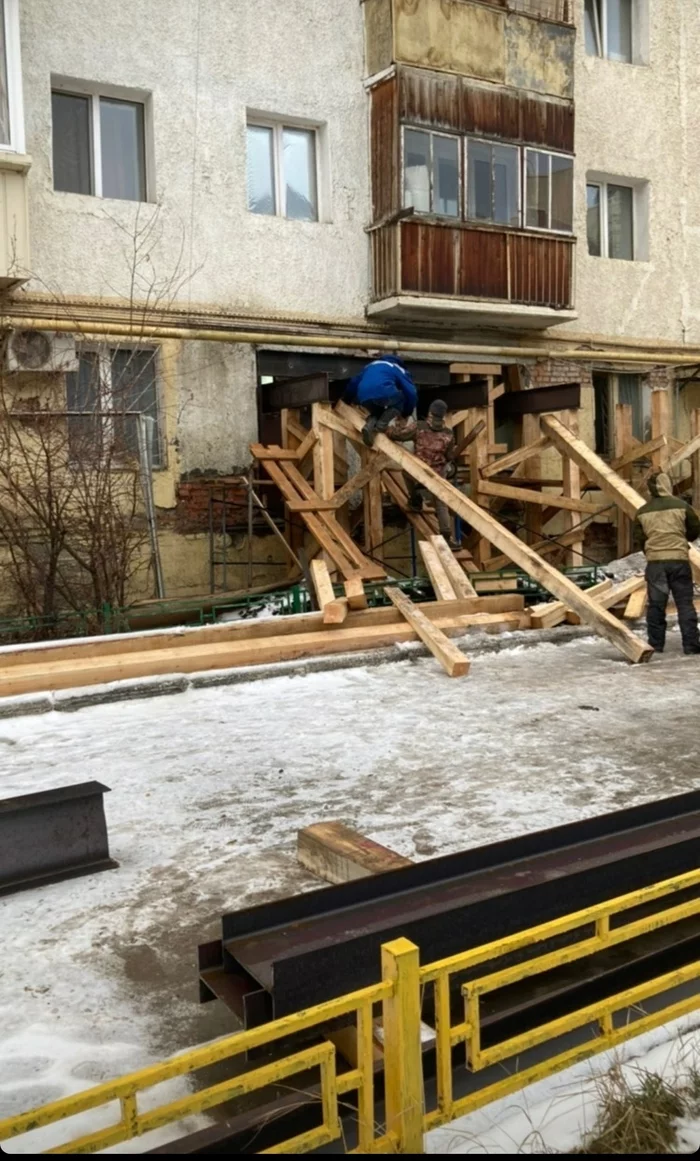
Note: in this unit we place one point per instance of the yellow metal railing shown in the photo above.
(401, 993)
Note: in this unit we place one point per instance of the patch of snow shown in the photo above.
(555, 1114)
(208, 790)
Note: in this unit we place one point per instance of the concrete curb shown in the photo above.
(473, 644)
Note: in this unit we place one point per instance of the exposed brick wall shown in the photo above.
(550, 372)
(192, 507)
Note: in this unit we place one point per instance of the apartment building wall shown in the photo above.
(632, 124)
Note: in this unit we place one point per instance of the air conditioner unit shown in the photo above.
(41, 351)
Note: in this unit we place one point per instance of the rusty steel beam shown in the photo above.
(279, 957)
(53, 835)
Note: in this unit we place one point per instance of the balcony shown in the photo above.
(14, 220)
(438, 271)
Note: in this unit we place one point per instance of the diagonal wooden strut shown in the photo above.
(521, 554)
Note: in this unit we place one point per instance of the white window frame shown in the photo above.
(94, 92)
(519, 171)
(16, 144)
(278, 125)
(461, 208)
(106, 391)
(640, 231)
(550, 153)
(640, 32)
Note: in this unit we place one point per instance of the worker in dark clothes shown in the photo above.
(434, 444)
(386, 390)
(667, 523)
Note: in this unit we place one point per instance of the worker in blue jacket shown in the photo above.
(386, 390)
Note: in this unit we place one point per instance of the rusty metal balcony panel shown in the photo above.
(561, 11)
(456, 261)
(385, 159)
(443, 101)
(540, 270)
(385, 261)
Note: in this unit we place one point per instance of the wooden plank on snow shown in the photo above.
(453, 662)
(460, 582)
(339, 854)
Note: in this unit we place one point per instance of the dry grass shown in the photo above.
(639, 1114)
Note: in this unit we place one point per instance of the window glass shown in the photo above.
(592, 27)
(134, 389)
(417, 170)
(505, 185)
(619, 30)
(446, 176)
(635, 391)
(620, 222)
(562, 193)
(537, 182)
(83, 394)
(300, 174)
(71, 143)
(593, 225)
(492, 183)
(123, 150)
(479, 181)
(261, 183)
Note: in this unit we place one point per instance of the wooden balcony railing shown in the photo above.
(462, 261)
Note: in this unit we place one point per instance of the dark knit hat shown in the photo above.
(438, 408)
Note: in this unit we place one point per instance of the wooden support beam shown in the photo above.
(532, 467)
(338, 854)
(571, 488)
(616, 595)
(374, 466)
(660, 425)
(695, 428)
(551, 613)
(546, 547)
(636, 604)
(438, 577)
(623, 443)
(453, 662)
(687, 452)
(539, 499)
(313, 522)
(457, 577)
(355, 592)
(521, 554)
(334, 610)
(373, 506)
(306, 445)
(469, 438)
(273, 452)
(478, 460)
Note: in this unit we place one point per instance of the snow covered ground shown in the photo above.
(208, 789)
(554, 1115)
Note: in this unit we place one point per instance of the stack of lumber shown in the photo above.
(96, 661)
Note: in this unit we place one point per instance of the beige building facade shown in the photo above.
(259, 191)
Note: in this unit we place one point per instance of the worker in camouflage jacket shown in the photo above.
(433, 443)
(666, 524)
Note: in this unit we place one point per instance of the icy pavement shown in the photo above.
(208, 789)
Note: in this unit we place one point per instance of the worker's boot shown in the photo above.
(386, 419)
(369, 431)
(415, 501)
